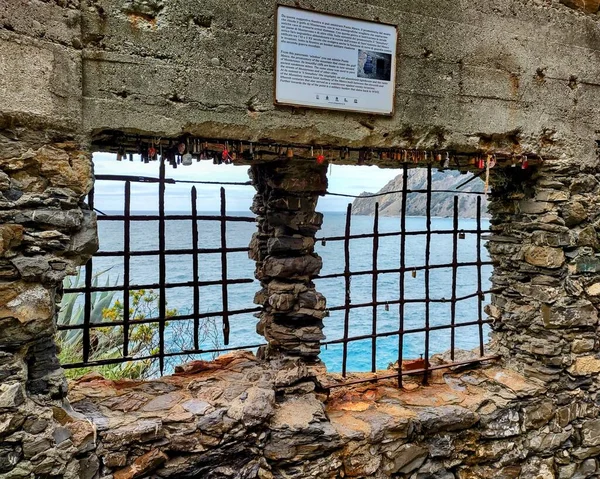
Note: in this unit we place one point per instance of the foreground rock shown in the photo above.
(239, 417)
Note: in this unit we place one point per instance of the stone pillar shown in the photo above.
(545, 226)
(283, 248)
(45, 232)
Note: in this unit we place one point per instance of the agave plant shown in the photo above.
(107, 342)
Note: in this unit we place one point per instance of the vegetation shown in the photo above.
(107, 342)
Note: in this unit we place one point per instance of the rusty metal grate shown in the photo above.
(196, 253)
(222, 249)
(423, 366)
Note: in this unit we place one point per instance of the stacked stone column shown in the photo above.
(292, 317)
(45, 232)
(545, 242)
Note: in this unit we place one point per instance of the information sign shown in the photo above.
(334, 62)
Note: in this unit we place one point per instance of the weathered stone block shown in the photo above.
(544, 256)
(579, 314)
(533, 207)
(290, 244)
(297, 267)
(574, 213)
(584, 366)
(590, 431)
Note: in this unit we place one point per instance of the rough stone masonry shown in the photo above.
(499, 76)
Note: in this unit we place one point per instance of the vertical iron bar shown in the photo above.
(427, 254)
(195, 267)
(480, 294)
(162, 266)
(126, 266)
(374, 288)
(454, 274)
(347, 286)
(402, 270)
(87, 296)
(224, 292)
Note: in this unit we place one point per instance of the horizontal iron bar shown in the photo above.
(171, 252)
(103, 362)
(405, 269)
(412, 301)
(399, 233)
(149, 179)
(239, 219)
(374, 195)
(184, 317)
(406, 331)
(376, 377)
(135, 179)
(136, 287)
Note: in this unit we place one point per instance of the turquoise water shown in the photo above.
(144, 236)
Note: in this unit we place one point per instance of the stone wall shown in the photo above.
(502, 76)
(239, 417)
(46, 231)
(510, 74)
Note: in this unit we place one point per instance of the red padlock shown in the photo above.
(321, 159)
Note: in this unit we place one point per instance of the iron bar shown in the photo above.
(149, 179)
(103, 362)
(454, 275)
(374, 288)
(224, 290)
(162, 268)
(427, 191)
(406, 268)
(481, 295)
(177, 252)
(184, 317)
(195, 267)
(347, 297)
(393, 233)
(126, 267)
(427, 272)
(474, 177)
(402, 272)
(410, 301)
(87, 296)
(241, 219)
(414, 372)
(405, 332)
(136, 287)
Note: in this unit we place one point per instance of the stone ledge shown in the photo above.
(241, 417)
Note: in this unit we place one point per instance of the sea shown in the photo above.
(144, 269)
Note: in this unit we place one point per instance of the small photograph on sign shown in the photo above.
(374, 65)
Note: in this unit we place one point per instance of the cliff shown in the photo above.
(441, 203)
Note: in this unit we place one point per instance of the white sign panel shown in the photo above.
(327, 61)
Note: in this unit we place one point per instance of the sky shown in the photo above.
(109, 194)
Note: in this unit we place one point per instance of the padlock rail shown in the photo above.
(245, 152)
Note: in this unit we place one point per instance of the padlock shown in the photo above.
(323, 242)
(447, 160)
(186, 159)
(524, 163)
(414, 273)
(387, 307)
(461, 235)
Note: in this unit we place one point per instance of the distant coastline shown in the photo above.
(442, 203)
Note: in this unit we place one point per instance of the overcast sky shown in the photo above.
(109, 194)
